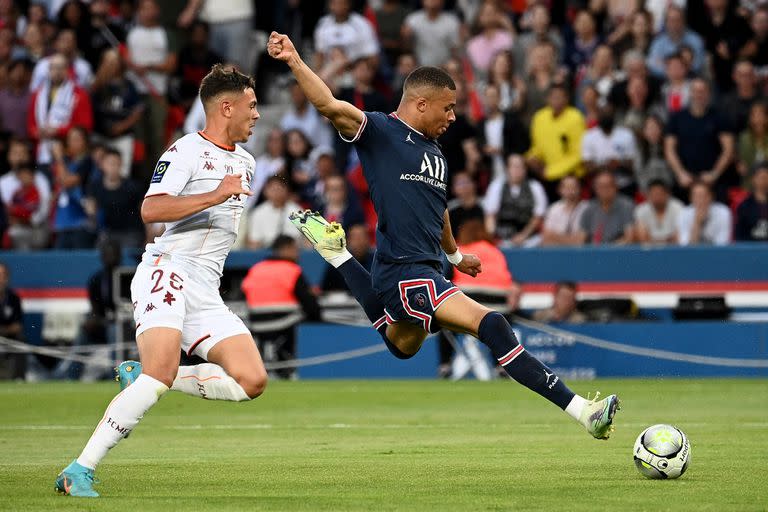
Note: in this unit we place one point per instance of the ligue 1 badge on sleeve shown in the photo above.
(160, 169)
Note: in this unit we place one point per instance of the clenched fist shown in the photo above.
(231, 186)
(280, 47)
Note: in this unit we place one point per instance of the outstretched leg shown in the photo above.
(460, 313)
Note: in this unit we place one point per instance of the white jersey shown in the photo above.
(201, 242)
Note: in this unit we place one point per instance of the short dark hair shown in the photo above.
(222, 79)
(281, 242)
(571, 285)
(429, 76)
(658, 182)
(108, 150)
(559, 86)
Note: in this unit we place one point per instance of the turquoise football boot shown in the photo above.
(127, 372)
(328, 238)
(76, 480)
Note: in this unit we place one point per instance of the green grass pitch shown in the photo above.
(389, 445)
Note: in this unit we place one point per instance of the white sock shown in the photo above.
(575, 407)
(121, 416)
(209, 381)
(339, 259)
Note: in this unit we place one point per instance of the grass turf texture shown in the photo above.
(384, 445)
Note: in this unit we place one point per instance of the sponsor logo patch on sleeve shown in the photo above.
(160, 169)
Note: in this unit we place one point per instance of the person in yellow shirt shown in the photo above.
(556, 132)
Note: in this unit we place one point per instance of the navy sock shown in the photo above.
(497, 334)
(359, 282)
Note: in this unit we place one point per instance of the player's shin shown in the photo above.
(208, 381)
(497, 334)
(359, 283)
(121, 416)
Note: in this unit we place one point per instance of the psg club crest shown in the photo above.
(420, 299)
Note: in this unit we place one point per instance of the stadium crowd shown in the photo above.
(599, 122)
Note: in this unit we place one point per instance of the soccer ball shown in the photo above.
(662, 451)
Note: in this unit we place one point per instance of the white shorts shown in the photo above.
(166, 295)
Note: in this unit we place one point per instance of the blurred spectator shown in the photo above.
(270, 219)
(195, 61)
(676, 91)
(704, 221)
(434, 33)
(639, 107)
(27, 210)
(756, 48)
(303, 116)
(562, 222)
(656, 219)
(390, 17)
(501, 73)
(466, 205)
(672, 39)
(608, 218)
(151, 62)
(752, 213)
(607, 146)
(300, 172)
(699, 145)
(581, 44)
(541, 73)
(117, 107)
(11, 317)
(345, 30)
(556, 133)
(34, 47)
(494, 33)
(74, 15)
(599, 73)
(362, 94)
(103, 33)
(71, 169)
(725, 33)
(75, 67)
(55, 108)
(405, 64)
(500, 134)
(230, 21)
(15, 99)
(515, 206)
(279, 297)
(735, 105)
(651, 165)
(269, 163)
(339, 205)
(753, 142)
(636, 34)
(99, 324)
(359, 245)
(590, 105)
(564, 306)
(634, 70)
(113, 203)
(536, 21)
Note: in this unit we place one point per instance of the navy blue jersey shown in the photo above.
(407, 177)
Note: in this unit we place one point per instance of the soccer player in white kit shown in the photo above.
(198, 190)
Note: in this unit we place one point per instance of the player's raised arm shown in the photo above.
(344, 116)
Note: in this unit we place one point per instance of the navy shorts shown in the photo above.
(411, 292)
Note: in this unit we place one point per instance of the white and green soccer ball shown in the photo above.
(662, 451)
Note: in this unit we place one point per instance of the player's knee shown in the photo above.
(405, 345)
(253, 383)
(492, 324)
(165, 375)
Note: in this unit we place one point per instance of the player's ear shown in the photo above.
(226, 108)
(421, 104)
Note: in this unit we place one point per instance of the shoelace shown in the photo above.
(597, 395)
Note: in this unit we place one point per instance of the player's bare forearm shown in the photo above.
(166, 208)
(344, 116)
(448, 243)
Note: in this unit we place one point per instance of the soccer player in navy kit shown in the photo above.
(406, 296)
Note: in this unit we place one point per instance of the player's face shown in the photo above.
(439, 113)
(244, 116)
